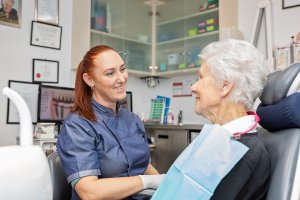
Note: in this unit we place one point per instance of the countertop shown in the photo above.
(174, 126)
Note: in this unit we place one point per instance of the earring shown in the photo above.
(92, 87)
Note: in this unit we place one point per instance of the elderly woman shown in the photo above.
(228, 160)
(231, 77)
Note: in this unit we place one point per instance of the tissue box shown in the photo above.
(44, 130)
(44, 135)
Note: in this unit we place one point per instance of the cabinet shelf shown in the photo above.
(175, 73)
(138, 73)
(118, 37)
(188, 16)
(166, 74)
(188, 38)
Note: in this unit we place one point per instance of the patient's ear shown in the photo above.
(88, 80)
(226, 88)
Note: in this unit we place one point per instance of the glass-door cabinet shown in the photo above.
(184, 27)
(126, 26)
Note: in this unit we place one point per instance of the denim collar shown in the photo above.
(104, 110)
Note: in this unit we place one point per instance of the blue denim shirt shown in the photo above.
(112, 146)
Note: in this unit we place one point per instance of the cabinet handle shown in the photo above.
(124, 52)
(163, 136)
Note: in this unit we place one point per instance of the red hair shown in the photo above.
(83, 92)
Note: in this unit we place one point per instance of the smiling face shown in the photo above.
(207, 93)
(109, 79)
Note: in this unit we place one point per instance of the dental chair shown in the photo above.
(61, 189)
(279, 114)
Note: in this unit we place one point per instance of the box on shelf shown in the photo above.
(212, 21)
(182, 66)
(192, 32)
(172, 59)
(44, 130)
(201, 30)
(203, 6)
(210, 28)
(212, 4)
(201, 24)
(201, 27)
(162, 67)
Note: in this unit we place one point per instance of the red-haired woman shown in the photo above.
(103, 148)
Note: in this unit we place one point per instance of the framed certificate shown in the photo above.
(45, 71)
(290, 3)
(29, 91)
(45, 35)
(47, 11)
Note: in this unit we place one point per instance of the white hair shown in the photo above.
(239, 62)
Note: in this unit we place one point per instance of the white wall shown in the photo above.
(285, 22)
(16, 56)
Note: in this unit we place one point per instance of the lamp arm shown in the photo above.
(24, 115)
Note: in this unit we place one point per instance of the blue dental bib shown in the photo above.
(201, 166)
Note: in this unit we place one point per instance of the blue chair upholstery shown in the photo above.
(279, 114)
(283, 115)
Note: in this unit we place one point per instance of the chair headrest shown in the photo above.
(284, 114)
(281, 84)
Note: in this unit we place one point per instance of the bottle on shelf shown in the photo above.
(170, 116)
(292, 48)
(180, 117)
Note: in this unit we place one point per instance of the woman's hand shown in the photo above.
(150, 170)
(152, 181)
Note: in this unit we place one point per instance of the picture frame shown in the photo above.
(45, 71)
(29, 91)
(45, 35)
(127, 101)
(290, 3)
(296, 53)
(47, 11)
(282, 57)
(14, 16)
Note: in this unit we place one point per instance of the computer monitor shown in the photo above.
(127, 102)
(54, 103)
